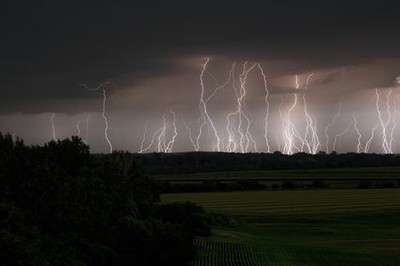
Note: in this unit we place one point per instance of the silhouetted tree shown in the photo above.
(59, 205)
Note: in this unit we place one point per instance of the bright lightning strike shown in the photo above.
(143, 138)
(339, 136)
(103, 114)
(78, 129)
(239, 131)
(386, 147)
(204, 115)
(335, 117)
(171, 143)
(189, 130)
(267, 103)
(358, 134)
(53, 127)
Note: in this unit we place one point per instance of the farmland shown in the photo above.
(301, 227)
(261, 203)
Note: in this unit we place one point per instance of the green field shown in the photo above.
(305, 227)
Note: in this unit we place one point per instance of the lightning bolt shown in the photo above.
(202, 104)
(175, 134)
(103, 114)
(267, 103)
(385, 144)
(232, 145)
(78, 129)
(277, 141)
(189, 129)
(388, 145)
(163, 146)
(143, 138)
(284, 126)
(102, 86)
(333, 121)
(53, 127)
(245, 137)
(369, 141)
(314, 123)
(237, 133)
(394, 120)
(152, 140)
(289, 129)
(358, 134)
(311, 125)
(394, 125)
(338, 136)
(204, 115)
(162, 137)
(13, 136)
(161, 134)
(230, 77)
(249, 137)
(307, 116)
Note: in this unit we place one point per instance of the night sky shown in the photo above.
(54, 54)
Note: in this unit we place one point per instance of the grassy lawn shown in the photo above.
(308, 227)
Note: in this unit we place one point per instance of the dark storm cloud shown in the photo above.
(48, 46)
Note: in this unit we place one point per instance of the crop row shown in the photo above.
(228, 253)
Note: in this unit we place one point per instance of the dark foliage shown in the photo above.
(386, 184)
(59, 205)
(292, 185)
(365, 184)
(189, 214)
(209, 186)
(219, 219)
(318, 184)
(193, 162)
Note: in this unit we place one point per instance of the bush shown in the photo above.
(275, 186)
(187, 214)
(209, 186)
(291, 185)
(219, 219)
(364, 184)
(387, 184)
(319, 184)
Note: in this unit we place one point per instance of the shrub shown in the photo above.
(364, 184)
(291, 185)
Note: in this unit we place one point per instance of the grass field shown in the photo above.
(312, 202)
(306, 227)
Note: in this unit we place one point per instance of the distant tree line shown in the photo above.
(209, 186)
(245, 185)
(60, 205)
(193, 162)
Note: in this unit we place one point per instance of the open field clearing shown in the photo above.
(222, 252)
(303, 227)
(294, 202)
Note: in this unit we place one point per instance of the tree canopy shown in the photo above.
(60, 205)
